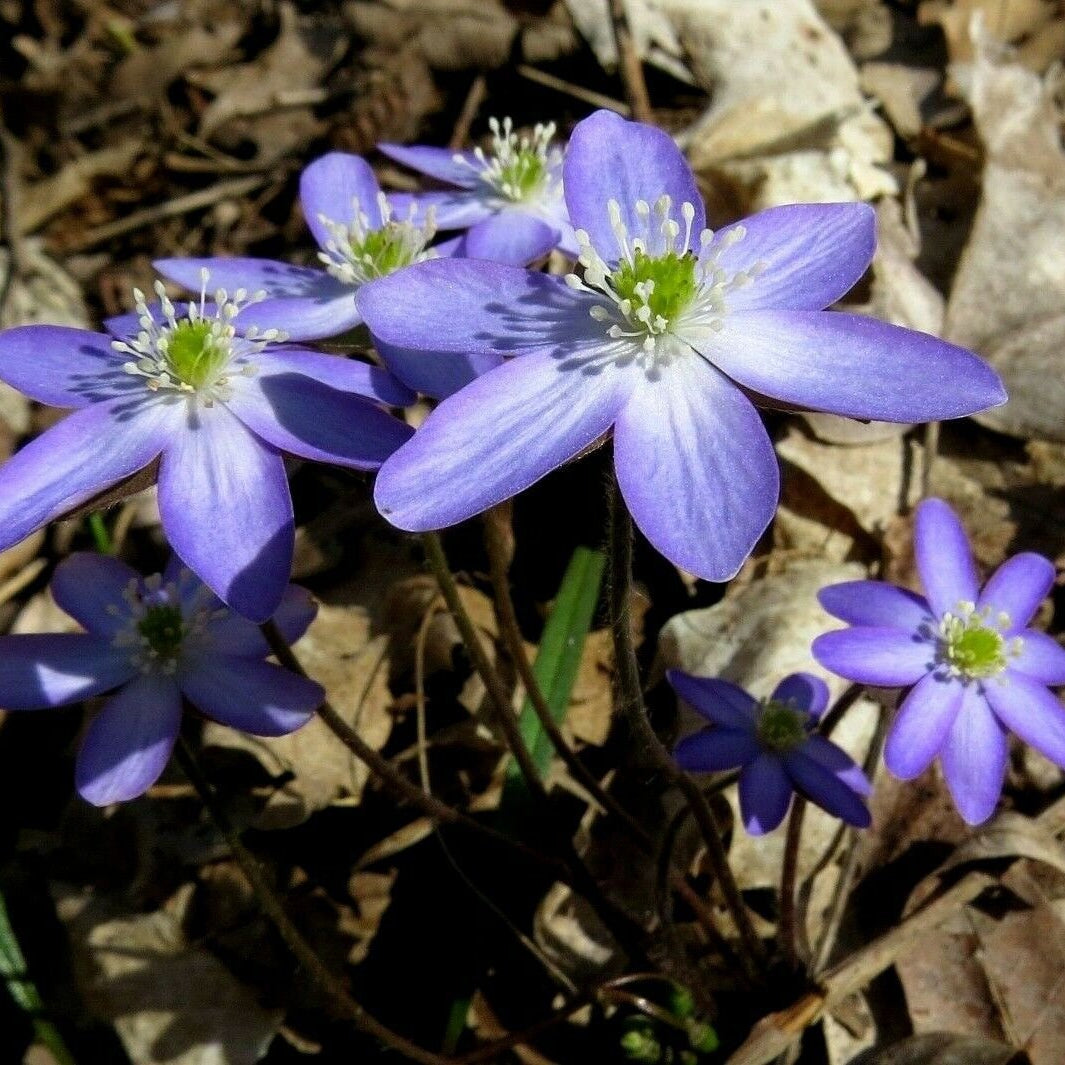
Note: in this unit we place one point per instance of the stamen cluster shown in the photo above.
(519, 168)
(660, 280)
(199, 352)
(358, 252)
(972, 644)
(781, 726)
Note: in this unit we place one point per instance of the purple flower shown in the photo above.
(360, 236)
(977, 670)
(665, 340)
(153, 641)
(509, 200)
(774, 744)
(217, 409)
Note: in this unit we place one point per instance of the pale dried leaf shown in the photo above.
(939, 1049)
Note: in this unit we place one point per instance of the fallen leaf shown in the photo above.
(939, 1049)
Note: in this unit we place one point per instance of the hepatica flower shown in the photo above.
(508, 199)
(361, 237)
(774, 745)
(665, 338)
(153, 642)
(975, 667)
(217, 407)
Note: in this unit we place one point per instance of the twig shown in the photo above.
(10, 225)
(928, 457)
(474, 98)
(568, 88)
(629, 64)
(630, 698)
(338, 995)
(403, 789)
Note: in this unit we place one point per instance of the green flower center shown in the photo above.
(781, 727)
(387, 249)
(658, 288)
(196, 353)
(973, 646)
(163, 629)
(522, 175)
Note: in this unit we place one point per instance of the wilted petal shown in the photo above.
(53, 669)
(944, 558)
(225, 505)
(877, 604)
(1017, 588)
(765, 794)
(249, 695)
(889, 658)
(610, 158)
(696, 468)
(1029, 710)
(974, 759)
(711, 750)
(128, 743)
(808, 254)
(848, 364)
(500, 434)
(717, 700)
(922, 724)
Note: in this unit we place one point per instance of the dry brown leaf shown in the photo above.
(1009, 21)
(172, 1003)
(342, 655)
(939, 1049)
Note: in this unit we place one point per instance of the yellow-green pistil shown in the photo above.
(972, 645)
(664, 284)
(781, 727)
(162, 628)
(196, 354)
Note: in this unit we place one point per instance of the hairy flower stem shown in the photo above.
(627, 932)
(395, 781)
(340, 999)
(631, 705)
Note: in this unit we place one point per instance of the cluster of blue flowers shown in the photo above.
(666, 336)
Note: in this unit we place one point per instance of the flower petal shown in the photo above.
(696, 468)
(1017, 588)
(346, 375)
(609, 158)
(1027, 708)
(226, 510)
(450, 210)
(720, 701)
(1041, 657)
(63, 367)
(330, 187)
(765, 794)
(500, 434)
(88, 451)
(309, 419)
(435, 373)
(439, 163)
(876, 603)
(305, 303)
(944, 558)
(974, 758)
(824, 787)
(53, 669)
(848, 364)
(514, 237)
(473, 307)
(128, 744)
(249, 695)
(832, 757)
(232, 635)
(810, 254)
(90, 588)
(711, 750)
(922, 724)
(806, 691)
(888, 658)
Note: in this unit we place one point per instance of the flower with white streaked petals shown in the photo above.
(773, 744)
(975, 669)
(664, 342)
(151, 642)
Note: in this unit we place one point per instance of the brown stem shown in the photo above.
(630, 697)
(395, 781)
(629, 64)
(333, 989)
(789, 930)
